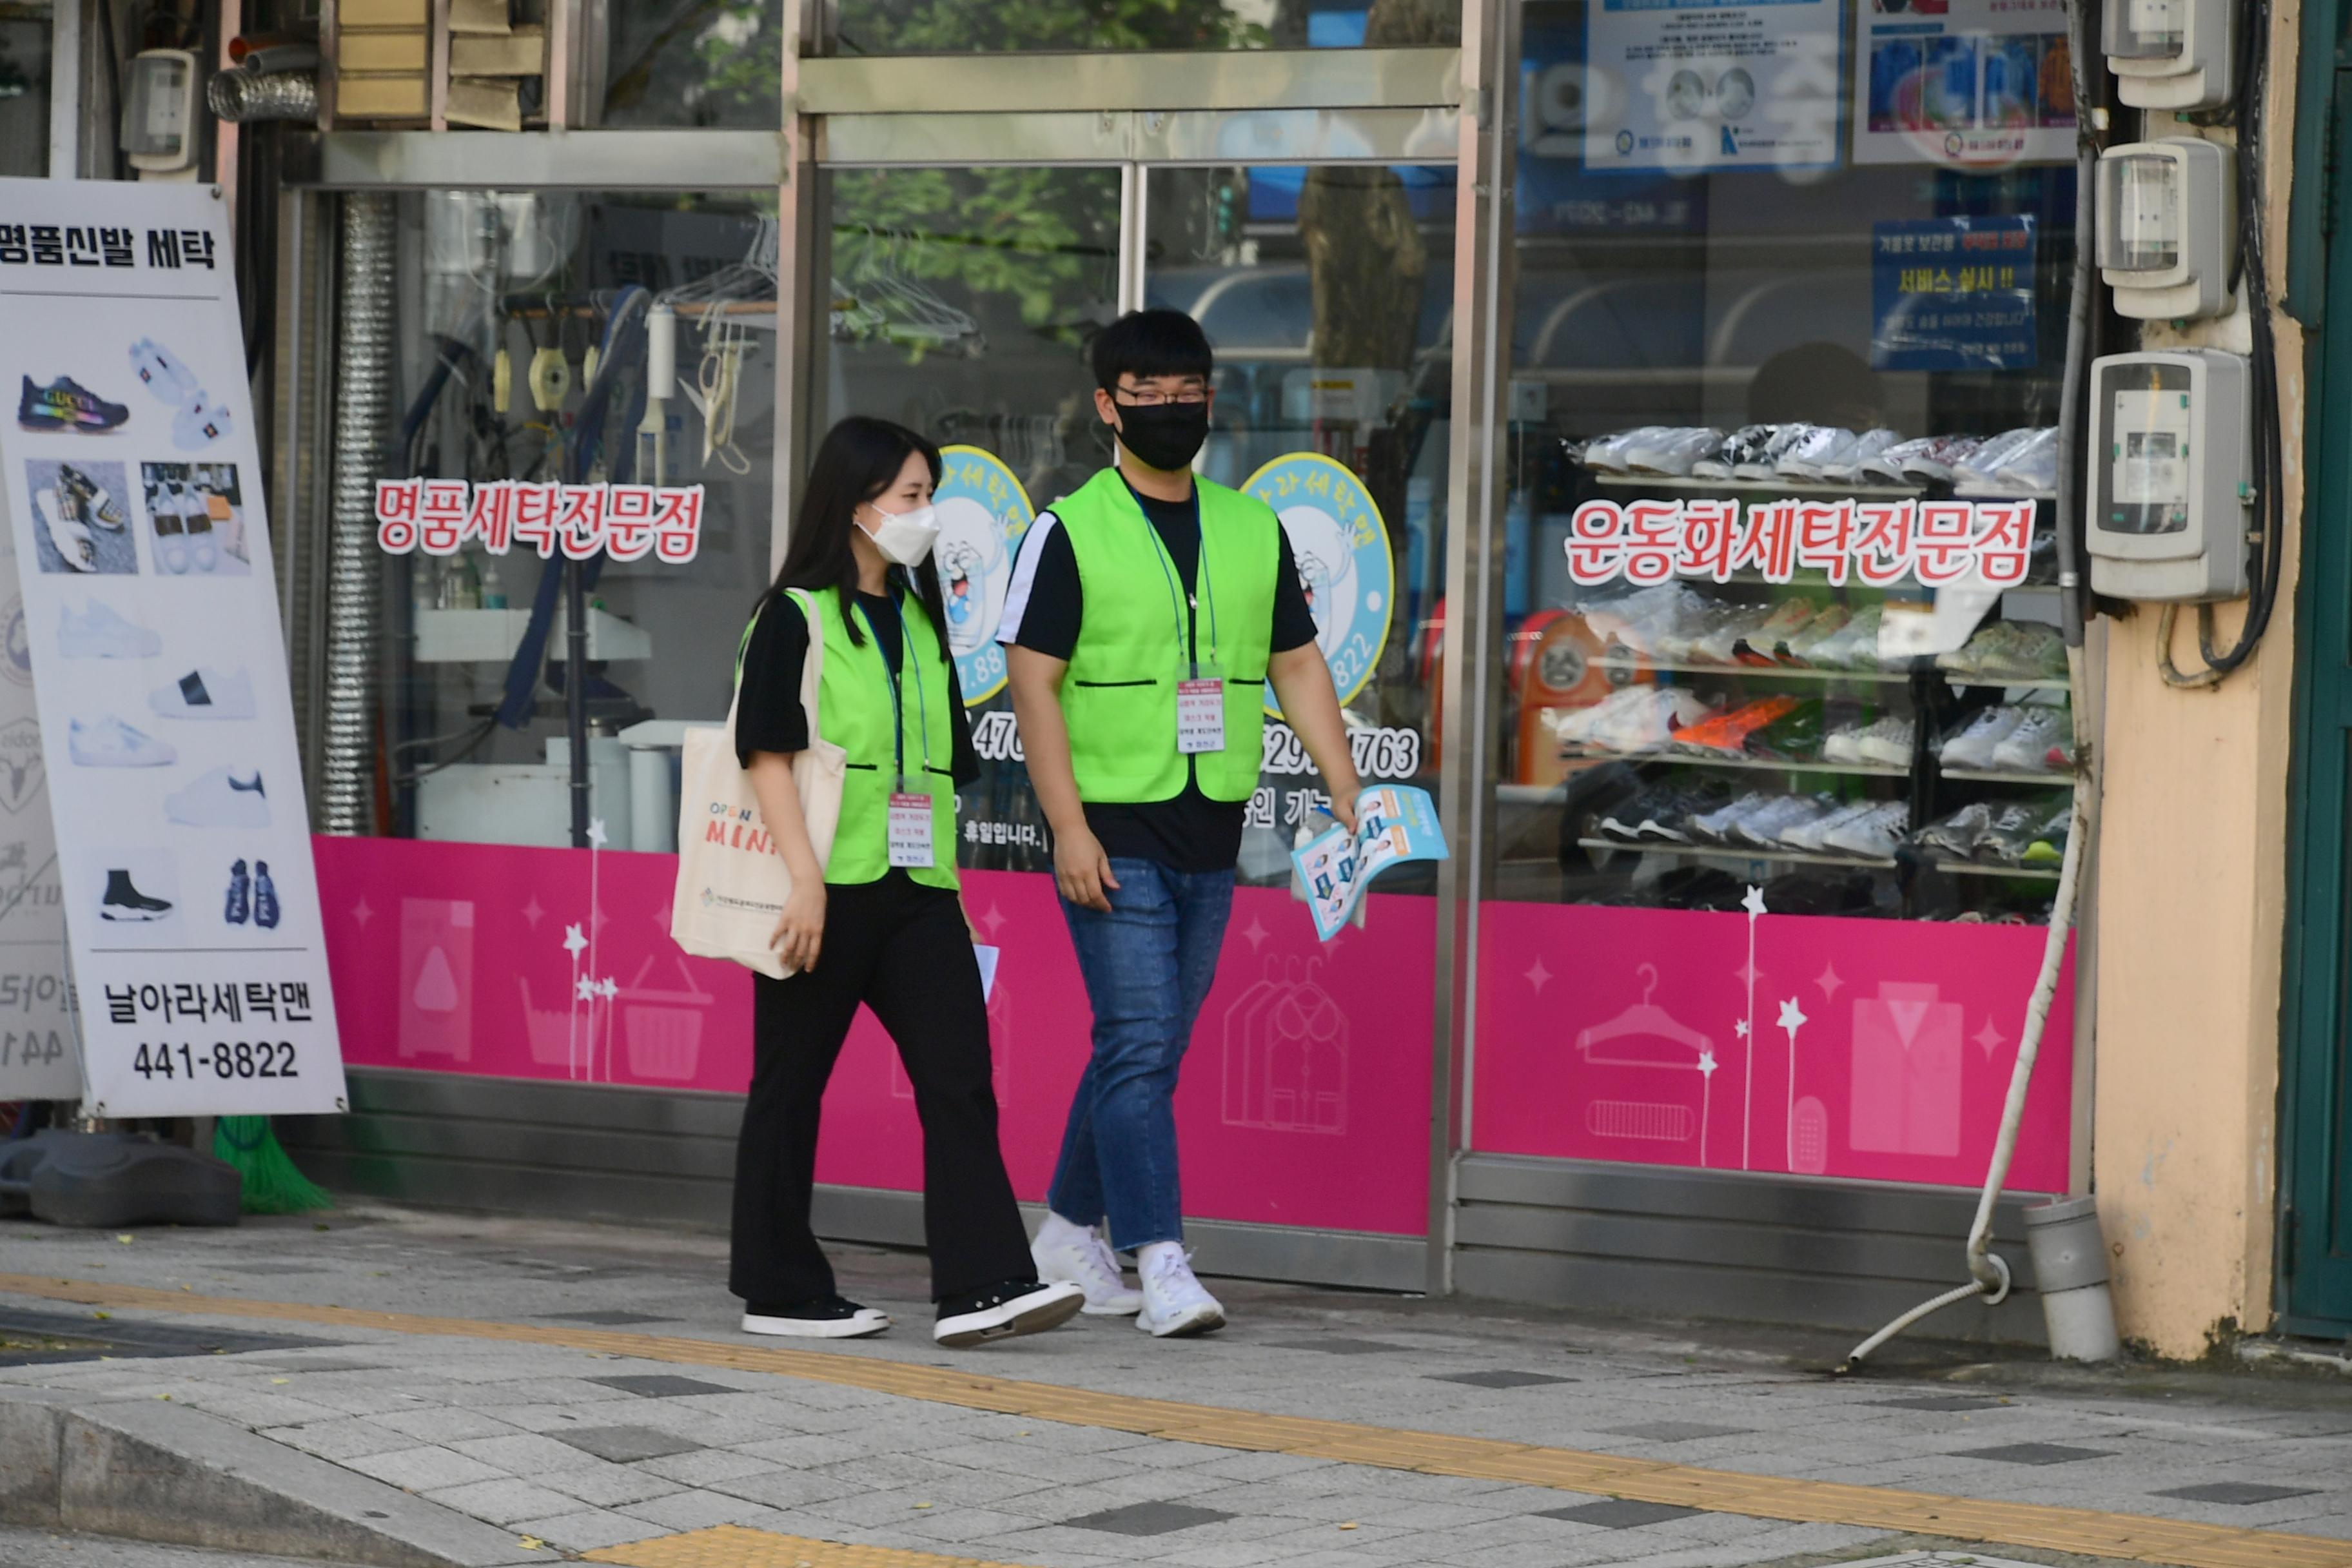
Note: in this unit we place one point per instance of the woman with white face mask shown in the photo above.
(879, 922)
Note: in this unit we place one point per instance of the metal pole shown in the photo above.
(575, 693)
(64, 90)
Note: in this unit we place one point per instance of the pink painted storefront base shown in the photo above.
(1305, 1100)
(1813, 1046)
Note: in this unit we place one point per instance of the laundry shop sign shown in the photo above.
(627, 522)
(1875, 543)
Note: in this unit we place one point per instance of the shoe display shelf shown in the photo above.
(1935, 700)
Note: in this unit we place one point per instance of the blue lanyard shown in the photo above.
(1201, 572)
(922, 702)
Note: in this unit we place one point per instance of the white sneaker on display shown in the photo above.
(67, 537)
(109, 742)
(1174, 1304)
(1078, 1255)
(99, 632)
(206, 694)
(221, 798)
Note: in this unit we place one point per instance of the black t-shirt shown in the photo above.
(768, 715)
(1190, 832)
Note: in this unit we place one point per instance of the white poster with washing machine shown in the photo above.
(150, 621)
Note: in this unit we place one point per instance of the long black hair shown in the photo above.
(859, 459)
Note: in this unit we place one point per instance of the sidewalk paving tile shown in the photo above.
(423, 1470)
(602, 1485)
(626, 1444)
(1146, 1519)
(588, 1529)
(502, 1501)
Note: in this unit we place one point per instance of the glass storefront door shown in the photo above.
(1775, 840)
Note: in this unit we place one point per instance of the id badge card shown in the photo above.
(1201, 711)
(911, 827)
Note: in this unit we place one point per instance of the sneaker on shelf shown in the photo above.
(1812, 836)
(1873, 835)
(108, 743)
(1854, 646)
(1846, 466)
(2048, 845)
(1725, 734)
(1761, 648)
(1669, 821)
(1006, 1311)
(93, 501)
(2014, 826)
(1671, 452)
(1741, 445)
(66, 404)
(1794, 737)
(2026, 749)
(1762, 828)
(125, 903)
(265, 897)
(1887, 742)
(1970, 748)
(1647, 724)
(825, 1317)
(1174, 1304)
(2032, 468)
(1939, 458)
(237, 907)
(1819, 445)
(2029, 651)
(1764, 466)
(1843, 745)
(1801, 650)
(1955, 837)
(1078, 1255)
(101, 632)
(1715, 826)
(221, 798)
(67, 536)
(204, 694)
(1607, 453)
(1623, 821)
(1979, 469)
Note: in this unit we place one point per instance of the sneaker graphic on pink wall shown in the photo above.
(1906, 1092)
(437, 978)
(1285, 1054)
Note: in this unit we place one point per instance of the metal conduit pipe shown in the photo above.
(243, 97)
(364, 378)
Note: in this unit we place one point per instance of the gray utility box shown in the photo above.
(2172, 446)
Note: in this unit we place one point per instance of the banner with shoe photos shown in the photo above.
(150, 619)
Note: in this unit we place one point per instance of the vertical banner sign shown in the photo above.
(134, 502)
(36, 1039)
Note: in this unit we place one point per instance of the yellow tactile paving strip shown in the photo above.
(733, 1546)
(2086, 1531)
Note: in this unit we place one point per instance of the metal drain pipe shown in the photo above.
(364, 378)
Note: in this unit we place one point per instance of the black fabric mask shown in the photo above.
(1165, 435)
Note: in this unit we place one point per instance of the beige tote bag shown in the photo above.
(731, 882)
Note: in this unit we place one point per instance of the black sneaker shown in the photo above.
(66, 405)
(124, 902)
(1002, 1311)
(826, 1318)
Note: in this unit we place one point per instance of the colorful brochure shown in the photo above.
(1394, 823)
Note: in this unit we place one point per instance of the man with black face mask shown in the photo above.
(1148, 612)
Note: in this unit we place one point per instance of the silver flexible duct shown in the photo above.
(243, 97)
(363, 377)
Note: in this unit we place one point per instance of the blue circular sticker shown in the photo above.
(982, 511)
(1342, 550)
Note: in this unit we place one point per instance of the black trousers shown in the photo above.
(901, 949)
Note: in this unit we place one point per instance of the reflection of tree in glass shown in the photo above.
(696, 62)
(928, 26)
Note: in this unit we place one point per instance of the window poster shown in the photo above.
(158, 664)
(1962, 83)
(1687, 86)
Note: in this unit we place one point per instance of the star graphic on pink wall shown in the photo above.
(1830, 981)
(1256, 933)
(1537, 976)
(1989, 1037)
(362, 913)
(532, 913)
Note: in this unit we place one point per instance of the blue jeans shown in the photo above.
(1147, 964)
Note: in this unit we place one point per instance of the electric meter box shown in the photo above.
(2170, 54)
(2167, 229)
(2171, 456)
(158, 111)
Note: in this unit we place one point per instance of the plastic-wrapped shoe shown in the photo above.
(1887, 744)
(1761, 648)
(1764, 466)
(2048, 845)
(2026, 749)
(1715, 826)
(1802, 648)
(1955, 837)
(1819, 445)
(1725, 734)
(1970, 748)
(1873, 835)
(1811, 837)
(1672, 452)
(2014, 827)
(1846, 466)
(1980, 468)
(1744, 445)
(1763, 826)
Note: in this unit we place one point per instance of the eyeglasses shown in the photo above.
(1191, 396)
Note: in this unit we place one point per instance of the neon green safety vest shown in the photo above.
(1135, 641)
(857, 711)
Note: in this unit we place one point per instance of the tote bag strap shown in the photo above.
(812, 667)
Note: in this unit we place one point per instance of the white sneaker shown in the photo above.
(109, 742)
(221, 798)
(161, 372)
(1078, 1255)
(67, 535)
(199, 423)
(99, 632)
(2026, 749)
(1971, 749)
(204, 694)
(1174, 1304)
